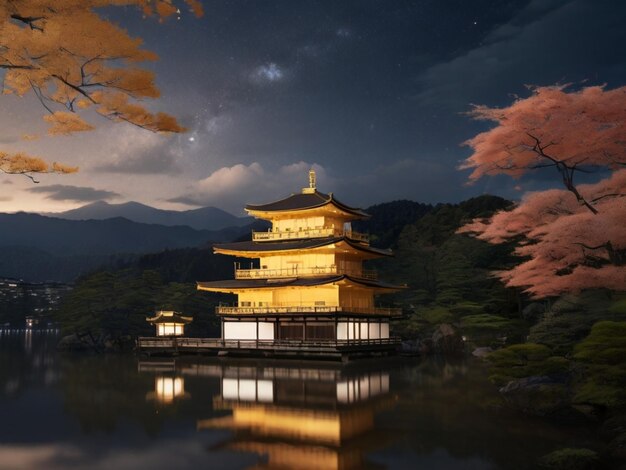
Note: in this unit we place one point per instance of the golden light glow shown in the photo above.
(166, 389)
(170, 329)
(291, 431)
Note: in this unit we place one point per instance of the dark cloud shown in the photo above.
(60, 192)
(571, 42)
(186, 200)
(7, 181)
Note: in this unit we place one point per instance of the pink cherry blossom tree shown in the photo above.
(572, 238)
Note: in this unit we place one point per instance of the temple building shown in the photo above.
(169, 323)
(306, 279)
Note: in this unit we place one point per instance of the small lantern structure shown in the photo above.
(169, 323)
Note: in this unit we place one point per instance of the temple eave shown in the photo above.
(169, 317)
(235, 285)
(252, 249)
(306, 202)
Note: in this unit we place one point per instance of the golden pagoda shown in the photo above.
(306, 282)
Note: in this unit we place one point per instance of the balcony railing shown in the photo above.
(388, 311)
(181, 343)
(309, 233)
(368, 274)
(358, 236)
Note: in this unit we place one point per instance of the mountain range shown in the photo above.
(204, 218)
(39, 248)
(63, 246)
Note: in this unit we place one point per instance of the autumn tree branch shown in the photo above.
(566, 171)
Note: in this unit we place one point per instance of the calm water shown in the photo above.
(122, 412)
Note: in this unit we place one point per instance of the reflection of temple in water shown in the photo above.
(167, 389)
(301, 418)
(168, 386)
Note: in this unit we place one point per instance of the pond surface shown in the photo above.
(124, 412)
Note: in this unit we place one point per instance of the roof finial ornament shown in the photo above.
(312, 182)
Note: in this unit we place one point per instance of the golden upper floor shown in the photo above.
(307, 214)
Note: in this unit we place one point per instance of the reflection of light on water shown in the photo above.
(28, 340)
(302, 423)
(348, 391)
(362, 388)
(167, 389)
(248, 390)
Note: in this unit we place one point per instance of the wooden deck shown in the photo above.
(297, 349)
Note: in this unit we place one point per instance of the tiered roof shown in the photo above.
(169, 316)
(310, 199)
(240, 248)
(305, 201)
(235, 284)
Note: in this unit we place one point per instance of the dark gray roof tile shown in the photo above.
(292, 282)
(305, 201)
(299, 245)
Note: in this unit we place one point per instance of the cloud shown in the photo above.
(5, 198)
(232, 187)
(268, 73)
(137, 151)
(60, 192)
(7, 181)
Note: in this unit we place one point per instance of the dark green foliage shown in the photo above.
(618, 308)
(388, 219)
(450, 273)
(524, 360)
(603, 354)
(188, 265)
(570, 459)
(118, 302)
(423, 320)
(570, 318)
(484, 327)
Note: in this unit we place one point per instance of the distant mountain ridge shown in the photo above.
(38, 248)
(204, 218)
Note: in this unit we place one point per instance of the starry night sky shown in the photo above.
(370, 93)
